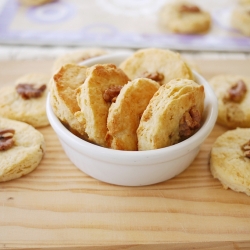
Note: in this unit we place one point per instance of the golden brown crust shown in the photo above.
(124, 115)
(63, 96)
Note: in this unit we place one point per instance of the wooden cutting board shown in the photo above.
(59, 207)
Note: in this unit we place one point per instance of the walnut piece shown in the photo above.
(189, 8)
(111, 93)
(246, 149)
(190, 121)
(6, 139)
(156, 76)
(27, 91)
(237, 92)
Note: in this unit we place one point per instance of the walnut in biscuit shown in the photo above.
(233, 94)
(95, 96)
(230, 160)
(184, 17)
(174, 113)
(157, 64)
(22, 148)
(25, 100)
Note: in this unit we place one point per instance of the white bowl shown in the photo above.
(134, 168)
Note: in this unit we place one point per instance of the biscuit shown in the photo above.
(125, 113)
(26, 107)
(157, 64)
(35, 2)
(173, 114)
(230, 160)
(63, 100)
(243, 2)
(185, 18)
(25, 152)
(76, 57)
(232, 113)
(103, 83)
(240, 19)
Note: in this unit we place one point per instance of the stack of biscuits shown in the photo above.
(149, 101)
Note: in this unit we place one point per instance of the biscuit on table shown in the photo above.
(173, 114)
(157, 64)
(233, 95)
(230, 160)
(125, 113)
(184, 17)
(102, 85)
(240, 19)
(63, 100)
(21, 149)
(35, 2)
(26, 100)
(76, 57)
(244, 2)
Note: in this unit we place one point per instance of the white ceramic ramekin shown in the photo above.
(134, 168)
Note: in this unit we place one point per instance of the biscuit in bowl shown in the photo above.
(230, 160)
(21, 149)
(25, 100)
(94, 97)
(159, 65)
(125, 113)
(64, 86)
(233, 93)
(174, 113)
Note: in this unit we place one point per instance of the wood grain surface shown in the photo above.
(59, 207)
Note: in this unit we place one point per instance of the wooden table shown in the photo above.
(59, 207)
